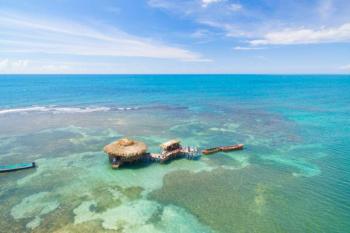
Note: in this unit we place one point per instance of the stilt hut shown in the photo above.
(170, 150)
(125, 151)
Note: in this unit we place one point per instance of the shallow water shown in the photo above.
(293, 176)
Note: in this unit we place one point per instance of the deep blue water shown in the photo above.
(19, 90)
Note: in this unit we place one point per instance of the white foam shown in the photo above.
(28, 109)
(127, 108)
(54, 109)
(80, 110)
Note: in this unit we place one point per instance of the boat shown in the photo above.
(211, 150)
(16, 167)
(231, 148)
(223, 149)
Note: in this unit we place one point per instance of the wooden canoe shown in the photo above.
(16, 167)
(211, 150)
(231, 148)
(223, 148)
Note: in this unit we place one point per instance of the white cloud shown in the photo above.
(159, 4)
(345, 67)
(255, 21)
(33, 35)
(235, 7)
(25, 66)
(206, 3)
(20, 64)
(7, 65)
(224, 17)
(4, 64)
(248, 48)
(110, 66)
(230, 30)
(306, 36)
(54, 68)
(200, 33)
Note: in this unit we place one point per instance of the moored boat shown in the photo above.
(16, 167)
(211, 150)
(231, 148)
(223, 148)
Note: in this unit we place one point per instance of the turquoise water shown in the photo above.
(293, 176)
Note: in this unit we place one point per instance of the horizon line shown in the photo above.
(344, 74)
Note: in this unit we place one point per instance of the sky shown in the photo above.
(175, 36)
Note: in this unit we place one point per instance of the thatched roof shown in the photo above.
(126, 149)
(167, 144)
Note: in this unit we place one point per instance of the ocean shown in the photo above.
(292, 176)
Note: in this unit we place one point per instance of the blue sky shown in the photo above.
(168, 36)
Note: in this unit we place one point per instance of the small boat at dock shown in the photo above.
(211, 151)
(231, 148)
(223, 149)
(16, 167)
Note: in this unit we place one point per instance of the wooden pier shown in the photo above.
(120, 154)
(181, 152)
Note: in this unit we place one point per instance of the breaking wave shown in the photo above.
(54, 109)
(90, 109)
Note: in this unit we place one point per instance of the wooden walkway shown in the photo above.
(187, 152)
(184, 152)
